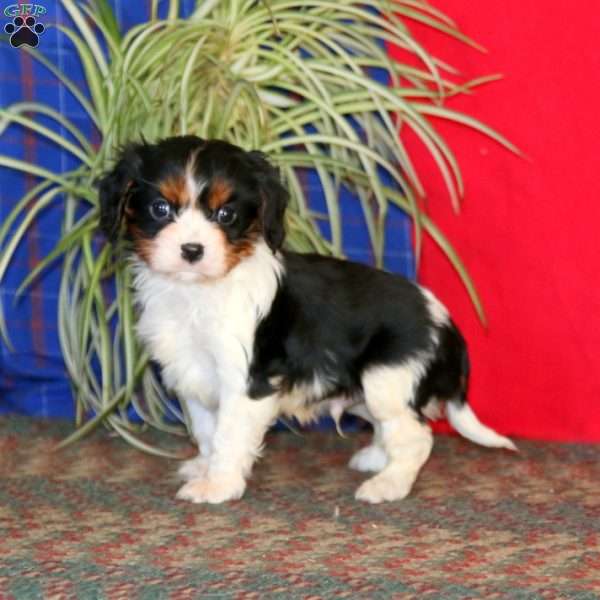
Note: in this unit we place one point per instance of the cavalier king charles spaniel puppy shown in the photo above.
(245, 331)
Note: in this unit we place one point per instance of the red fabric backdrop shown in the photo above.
(529, 229)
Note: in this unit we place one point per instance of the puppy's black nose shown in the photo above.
(192, 252)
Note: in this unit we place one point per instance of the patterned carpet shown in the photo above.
(99, 520)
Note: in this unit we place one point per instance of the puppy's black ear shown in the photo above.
(274, 199)
(113, 189)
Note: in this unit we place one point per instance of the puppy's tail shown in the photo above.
(465, 421)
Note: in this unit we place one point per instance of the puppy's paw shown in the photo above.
(385, 487)
(371, 458)
(195, 468)
(213, 489)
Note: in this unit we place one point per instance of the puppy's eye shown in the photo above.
(160, 210)
(226, 215)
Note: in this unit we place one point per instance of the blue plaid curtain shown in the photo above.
(33, 379)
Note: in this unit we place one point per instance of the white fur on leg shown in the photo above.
(391, 484)
(395, 481)
(241, 426)
(194, 468)
(213, 489)
(406, 441)
(370, 458)
(202, 423)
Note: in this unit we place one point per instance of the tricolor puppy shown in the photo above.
(245, 331)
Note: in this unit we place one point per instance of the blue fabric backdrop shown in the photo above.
(33, 379)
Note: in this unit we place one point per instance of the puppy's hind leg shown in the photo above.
(406, 440)
(373, 456)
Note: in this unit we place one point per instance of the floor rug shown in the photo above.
(99, 520)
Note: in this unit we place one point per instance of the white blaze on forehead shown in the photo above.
(192, 185)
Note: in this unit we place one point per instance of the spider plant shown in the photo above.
(291, 78)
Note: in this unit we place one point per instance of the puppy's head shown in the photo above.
(193, 209)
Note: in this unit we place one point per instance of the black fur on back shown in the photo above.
(335, 319)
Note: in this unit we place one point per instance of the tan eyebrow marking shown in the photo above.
(220, 192)
(175, 190)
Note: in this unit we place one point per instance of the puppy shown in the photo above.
(245, 331)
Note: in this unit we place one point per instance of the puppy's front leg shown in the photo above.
(241, 426)
(203, 423)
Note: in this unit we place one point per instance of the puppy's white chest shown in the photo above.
(199, 339)
(203, 335)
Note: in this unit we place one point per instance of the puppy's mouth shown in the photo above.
(185, 275)
(188, 274)
(199, 272)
